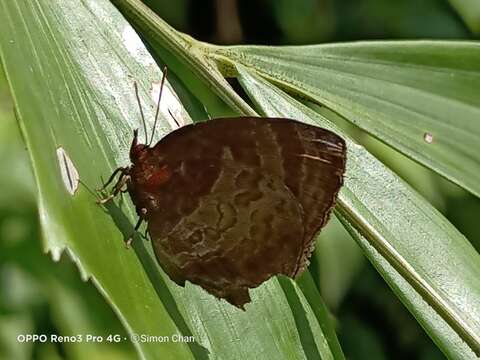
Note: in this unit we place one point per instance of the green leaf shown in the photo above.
(420, 97)
(69, 85)
(70, 67)
(431, 267)
(469, 10)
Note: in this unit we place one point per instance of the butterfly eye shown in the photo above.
(138, 152)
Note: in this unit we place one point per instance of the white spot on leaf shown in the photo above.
(428, 137)
(68, 171)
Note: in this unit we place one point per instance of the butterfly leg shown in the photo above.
(129, 241)
(145, 234)
(117, 187)
(110, 179)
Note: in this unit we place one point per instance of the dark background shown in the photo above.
(39, 296)
(277, 22)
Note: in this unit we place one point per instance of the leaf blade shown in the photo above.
(32, 39)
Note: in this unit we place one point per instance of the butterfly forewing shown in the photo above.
(243, 200)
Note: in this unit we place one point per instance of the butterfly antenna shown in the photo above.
(141, 110)
(173, 117)
(158, 103)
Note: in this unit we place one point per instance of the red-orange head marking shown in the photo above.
(158, 178)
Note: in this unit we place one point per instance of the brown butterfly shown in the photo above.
(232, 202)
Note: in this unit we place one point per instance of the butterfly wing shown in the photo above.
(244, 199)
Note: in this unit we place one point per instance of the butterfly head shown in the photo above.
(137, 151)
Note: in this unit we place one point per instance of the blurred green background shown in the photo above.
(40, 296)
